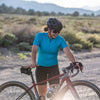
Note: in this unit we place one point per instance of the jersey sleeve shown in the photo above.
(63, 43)
(37, 40)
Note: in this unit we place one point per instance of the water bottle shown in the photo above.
(50, 92)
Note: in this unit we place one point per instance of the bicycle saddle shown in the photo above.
(26, 70)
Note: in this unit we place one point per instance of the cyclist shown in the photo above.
(47, 44)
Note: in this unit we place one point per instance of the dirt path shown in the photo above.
(10, 67)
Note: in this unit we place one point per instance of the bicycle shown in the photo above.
(77, 90)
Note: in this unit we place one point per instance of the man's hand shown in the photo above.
(34, 65)
(78, 65)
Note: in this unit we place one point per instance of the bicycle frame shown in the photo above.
(64, 77)
(75, 88)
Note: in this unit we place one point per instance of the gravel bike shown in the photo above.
(76, 90)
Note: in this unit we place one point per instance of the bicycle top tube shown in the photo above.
(66, 70)
(58, 76)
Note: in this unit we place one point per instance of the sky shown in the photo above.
(71, 3)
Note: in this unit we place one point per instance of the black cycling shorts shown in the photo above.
(44, 73)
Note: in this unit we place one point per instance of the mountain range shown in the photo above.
(48, 7)
(95, 8)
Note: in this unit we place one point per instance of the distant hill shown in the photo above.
(92, 8)
(97, 12)
(45, 7)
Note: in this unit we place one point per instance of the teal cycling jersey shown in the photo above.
(48, 49)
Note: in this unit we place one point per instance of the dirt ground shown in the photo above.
(10, 66)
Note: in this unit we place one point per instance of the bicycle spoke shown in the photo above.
(23, 94)
(85, 93)
(14, 93)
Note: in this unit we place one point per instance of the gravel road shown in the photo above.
(10, 67)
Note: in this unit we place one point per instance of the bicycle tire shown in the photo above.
(92, 92)
(12, 90)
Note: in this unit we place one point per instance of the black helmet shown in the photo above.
(55, 24)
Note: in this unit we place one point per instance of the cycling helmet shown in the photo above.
(55, 24)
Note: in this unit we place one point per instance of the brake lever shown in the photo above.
(81, 69)
(72, 69)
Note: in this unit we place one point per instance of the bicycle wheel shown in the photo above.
(86, 91)
(15, 91)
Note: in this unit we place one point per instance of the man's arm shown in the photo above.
(69, 54)
(33, 55)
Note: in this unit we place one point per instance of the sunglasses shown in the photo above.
(54, 31)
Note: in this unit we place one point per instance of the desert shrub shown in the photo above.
(72, 38)
(84, 29)
(87, 44)
(75, 38)
(80, 34)
(25, 33)
(94, 39)
(1, 33)
(28, 54)
(22, 56)
(6, 43)
(24, 29)
(90, 30)
(23, 46)
(10, 37)
(94, 31)
(97, 45)
(76, 47)
(0, 41)
(32, 21)
(25, 38)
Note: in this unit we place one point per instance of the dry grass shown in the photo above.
(28, 26)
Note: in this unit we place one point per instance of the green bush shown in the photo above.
(10, 37)
(87, 44)
(22, 56)
(27, 54)
(97, 45)
(80, 34)
(24, 46)
(72, 38)
(0, 41)
(76, 47)
(75, 40)
(6, 43)
(8, 40)
(94, 39)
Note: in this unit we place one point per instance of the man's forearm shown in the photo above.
(69, 54)
(34, 52)
(33, 57)
(71, 57)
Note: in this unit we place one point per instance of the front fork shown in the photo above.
(72, 89)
